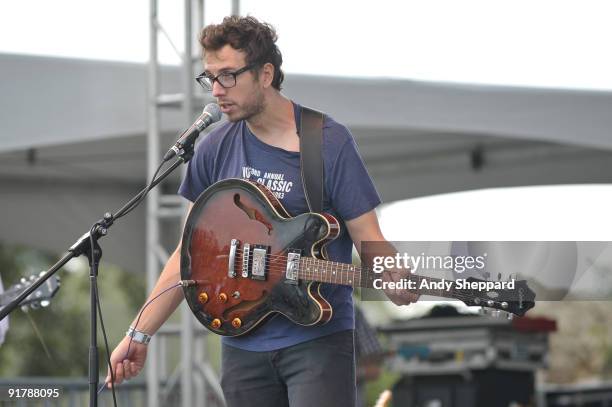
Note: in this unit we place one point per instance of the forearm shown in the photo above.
(160, 309)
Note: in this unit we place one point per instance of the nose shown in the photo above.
(217, 89)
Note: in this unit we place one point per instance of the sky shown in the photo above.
(543, 43)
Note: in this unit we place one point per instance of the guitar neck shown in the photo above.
(325, 271)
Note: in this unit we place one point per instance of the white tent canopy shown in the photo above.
(49, 101)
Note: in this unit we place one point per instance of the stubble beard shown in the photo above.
(250, 109)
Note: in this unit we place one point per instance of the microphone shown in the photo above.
(210, 115)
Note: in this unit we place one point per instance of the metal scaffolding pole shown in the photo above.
(186, 316)
(152, 224)
(196, 376)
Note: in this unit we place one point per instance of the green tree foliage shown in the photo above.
(64, 325)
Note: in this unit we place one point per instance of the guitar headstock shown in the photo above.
(517, 300)
(39, 298)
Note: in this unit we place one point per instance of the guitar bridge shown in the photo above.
(246, 252)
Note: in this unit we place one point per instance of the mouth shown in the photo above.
(225, 106)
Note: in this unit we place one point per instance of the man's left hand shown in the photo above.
(399, 296)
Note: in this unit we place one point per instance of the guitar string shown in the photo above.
(304, 273)
(353, 269)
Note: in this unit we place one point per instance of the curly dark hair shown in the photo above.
(247, 34)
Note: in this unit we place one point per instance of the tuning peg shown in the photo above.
(509, 316)
(23, 280)
(45, 303)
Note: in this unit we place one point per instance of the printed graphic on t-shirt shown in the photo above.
(274, 181)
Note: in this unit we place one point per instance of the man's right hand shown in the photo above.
(126, 366)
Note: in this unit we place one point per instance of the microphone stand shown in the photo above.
(88, 245)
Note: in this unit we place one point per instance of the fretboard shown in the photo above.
(348, 274)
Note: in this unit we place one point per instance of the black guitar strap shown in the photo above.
(311, 157)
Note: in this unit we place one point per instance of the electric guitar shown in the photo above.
(38, 298)
(244, 258)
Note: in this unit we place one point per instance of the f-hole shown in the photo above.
(252, 213)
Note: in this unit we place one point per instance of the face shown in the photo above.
(242, 101)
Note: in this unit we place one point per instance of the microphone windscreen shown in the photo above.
(214, 111)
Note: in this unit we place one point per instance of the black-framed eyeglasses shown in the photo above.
(225, 79)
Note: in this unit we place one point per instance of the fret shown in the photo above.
(313, 269)
(347, 274)
(350, 274)
(310, 269)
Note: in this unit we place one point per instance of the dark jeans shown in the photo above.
(318, 373)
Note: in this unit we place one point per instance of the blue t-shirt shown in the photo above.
(233, 151)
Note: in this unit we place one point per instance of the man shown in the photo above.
(279, 363)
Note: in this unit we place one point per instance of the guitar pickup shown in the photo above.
(293, 266)
(259, 262)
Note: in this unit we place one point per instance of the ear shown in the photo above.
(266, 75)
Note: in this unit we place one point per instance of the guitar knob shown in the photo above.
(490, 303)
(236, 323)
(222, 297)
(203, 298)
(216, 323)
(509, 316)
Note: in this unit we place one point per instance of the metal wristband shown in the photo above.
(139, 337)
